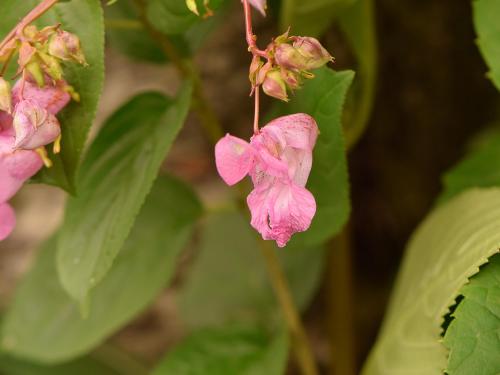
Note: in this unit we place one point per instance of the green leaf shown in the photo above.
(82, 366)
(173, 16)
(311, 17)
(478, 169)
(117, 174)
(488, 31)
(215, 292)
(228, 351)
(85, 19)
(45, 324)
(447, 249)
(472, 337)
(323, 98)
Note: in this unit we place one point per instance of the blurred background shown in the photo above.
(431, 98)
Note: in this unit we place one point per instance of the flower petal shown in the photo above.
(51, 98)
(260, 5)
(233, 157)
(299, 130)
(281, 209)
(7, 220)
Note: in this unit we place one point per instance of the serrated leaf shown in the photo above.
(472, 337)
(116, 177)
(228, 351)
(478, 169)
(82, 366)
(323, 98)
(447, 249)
(215, 292)
(488, 31)
(85, 19)
(45, 324)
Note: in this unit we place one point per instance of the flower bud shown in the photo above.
(51, 66)
(5, 96)
(292, 79)
(34, 126)
(312, 50)
(289, 57)
(274, 85)
(254, 70)
(66, 46)
(26, 54)
(260, 5)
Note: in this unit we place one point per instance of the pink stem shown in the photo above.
(34, 14)
(256, 111)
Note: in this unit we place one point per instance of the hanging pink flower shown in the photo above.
(51, 97)
(279, 160)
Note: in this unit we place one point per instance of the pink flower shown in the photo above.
(279, 160)
(7, 220)
(53, 98)
(34, 126)
(260, 5)
(16, 166)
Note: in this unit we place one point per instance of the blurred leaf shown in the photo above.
(227, 351)
(85, 19)
(116, 177)
(173, 16)
(447, 249)
(323, 98)
(82, 366)
(216, 292)
(311, 17)
(488, 31)
(44, 324)
(472, 337)
(358, 25)
(478, 169)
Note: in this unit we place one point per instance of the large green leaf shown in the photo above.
(473, 336)
(478, 169)
(227, 351)
(117, 174)
(82, 366)
(45, 324)
(323, 98)
(85, 19)
(215, 290)
(488, 31)
(447, 249)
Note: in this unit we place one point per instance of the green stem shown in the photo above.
(213, 128)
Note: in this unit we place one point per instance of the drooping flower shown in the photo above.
(279, 160)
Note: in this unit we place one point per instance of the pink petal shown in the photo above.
(15, 167)
(50, 97)
(299, 130)
(34, 126)
(260, 5)
(233, 157)
(281, 209)
(7, 220)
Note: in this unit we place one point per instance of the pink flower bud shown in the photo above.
(53, 98)
(274, 85)
(312, 50)
(66, 46)
(5, 96)
(34, 126)
(26, 53)
(289, 57)
(255, 67)
(260, 5)
(292, 79)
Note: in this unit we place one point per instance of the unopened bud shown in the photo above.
(291, 79)
(274, 85)
(254, 70)
(312, 50)
(66, 46)
(5, 96)
(26, 53)
(35, 71)
(34, 126)
(51, 66)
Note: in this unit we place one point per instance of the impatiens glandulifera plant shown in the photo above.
(279, 156)
(28, 111)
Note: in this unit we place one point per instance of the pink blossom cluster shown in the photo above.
(278, 159)
(27, 124)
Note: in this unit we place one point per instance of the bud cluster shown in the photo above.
(289, 61)
(28, 110)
